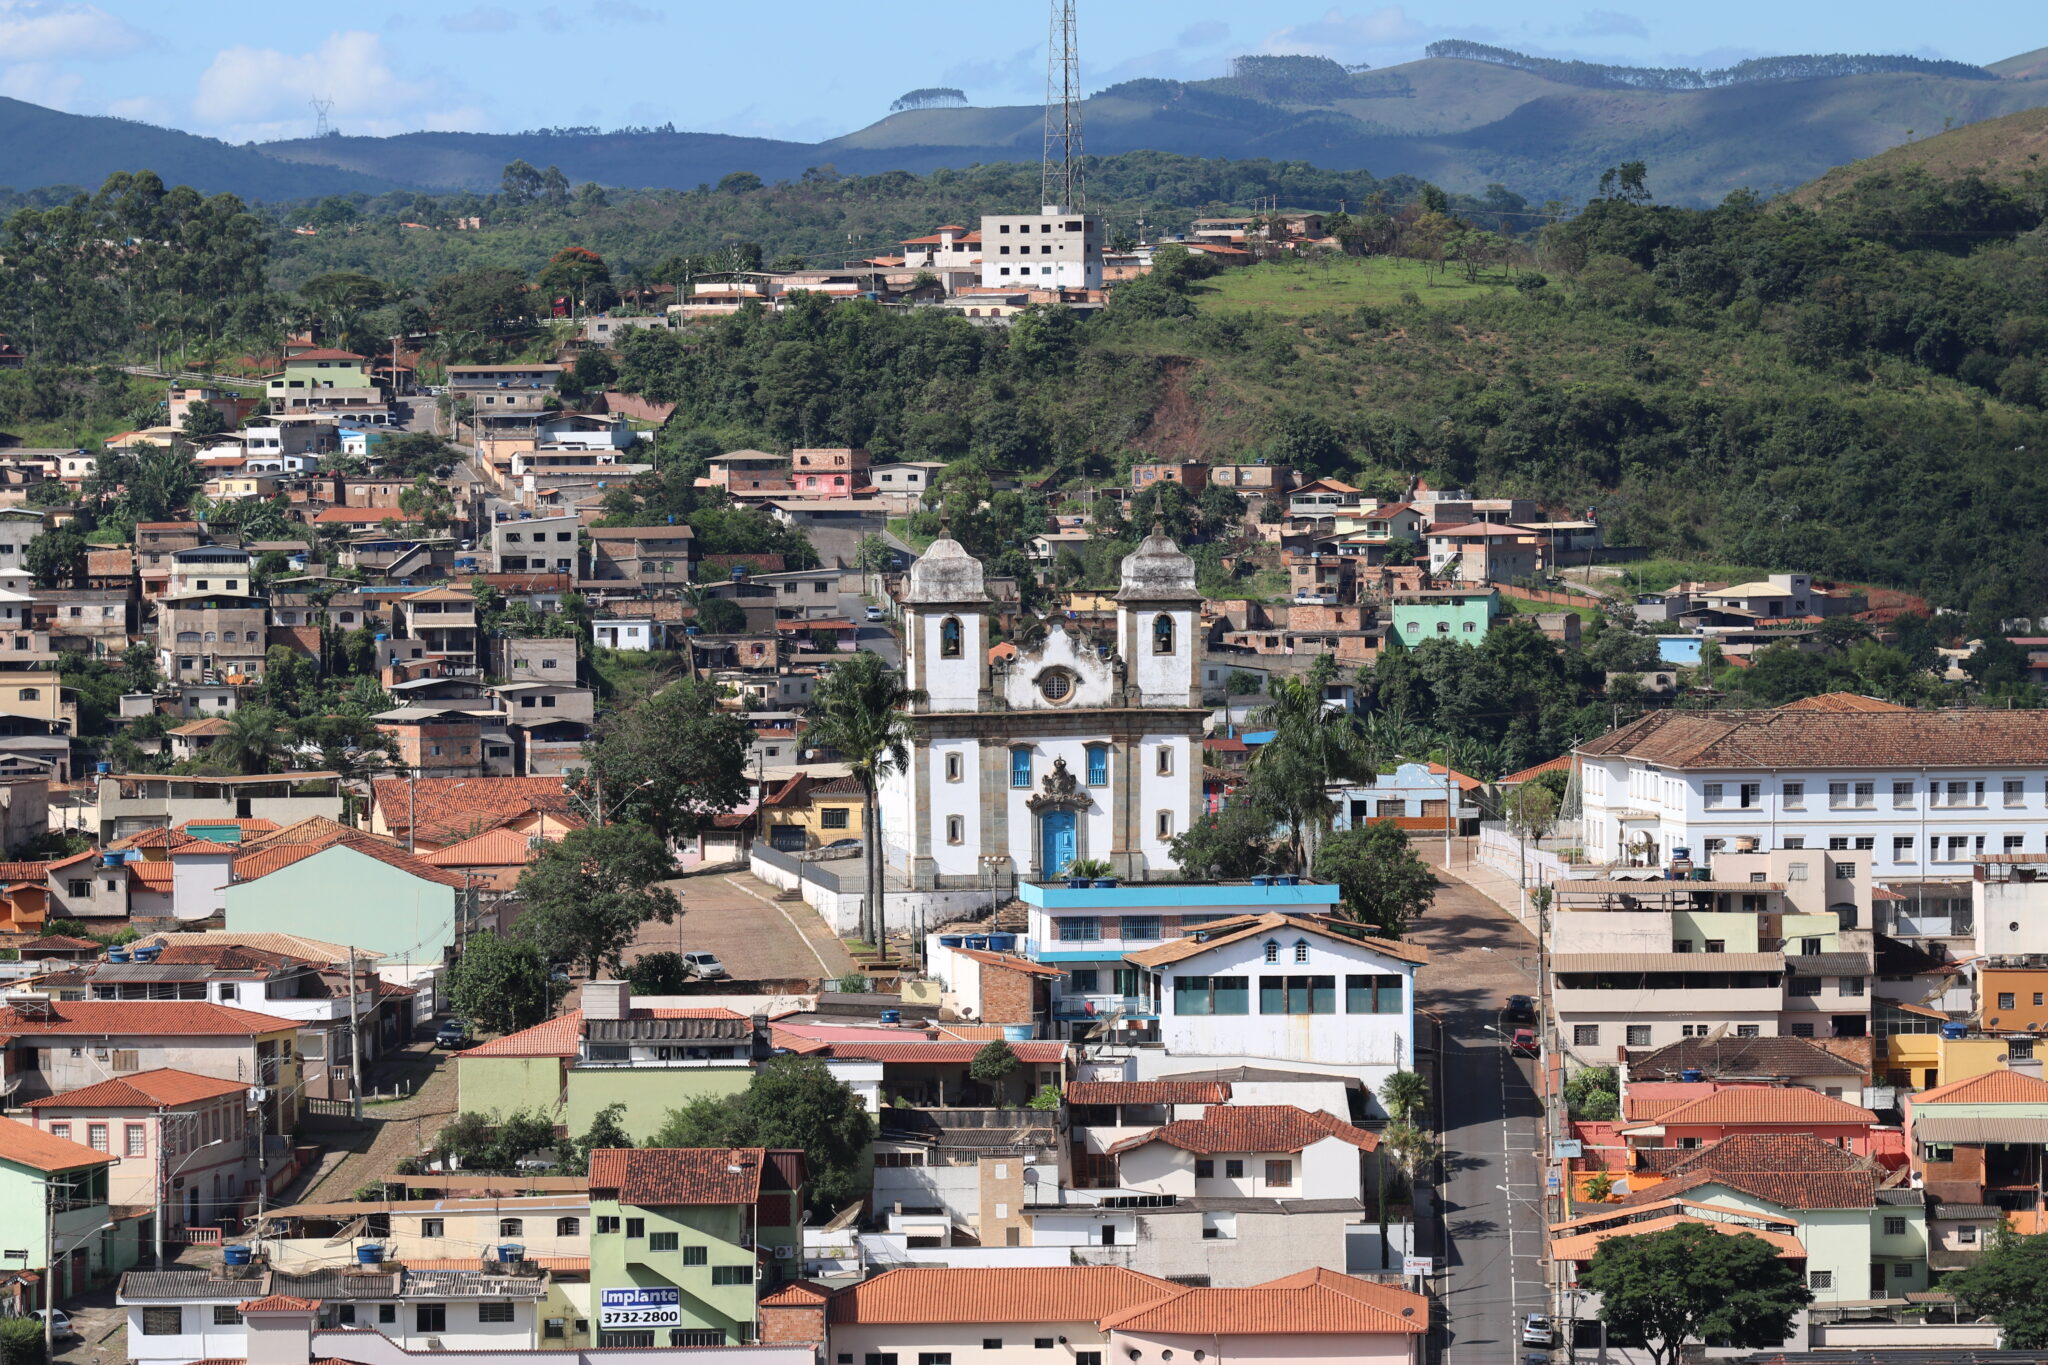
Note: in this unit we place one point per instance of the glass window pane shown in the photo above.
(1272, 995)
(1232, 994)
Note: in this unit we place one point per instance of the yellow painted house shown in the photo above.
(808, 812)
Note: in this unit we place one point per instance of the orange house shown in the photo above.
(2010, 999)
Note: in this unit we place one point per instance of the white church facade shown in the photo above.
(1075, 749)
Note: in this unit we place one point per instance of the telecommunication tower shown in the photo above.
(1061, 176)
(321, 128)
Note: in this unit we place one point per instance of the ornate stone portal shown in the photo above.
(1059, 791)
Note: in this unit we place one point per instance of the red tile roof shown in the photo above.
(1562, 761)
(924, 1050)
(1311, 1303)
(276, 856)
(795, 1294)
(1148, 1092)
(1993, 1087)
(559, 1036)
(1841, 701)
(1008, 962)
(154, 838)
(279, 1303)
(492, 848)
(1021, 1294)
(1747, 740)
(361, 516)
(663, 1176)
(322, 353)
(27, 1146)
(56, 942)
(1229, 931)
(1791, 1170)
(175, 1018)
(154, 876)
(448, 809)
(1790, 1105)
(142, 1090)
(1252, 1128)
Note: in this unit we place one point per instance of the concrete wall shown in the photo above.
(1254, 1247)
(509, 1085)
(647, 1092)
(377, 907)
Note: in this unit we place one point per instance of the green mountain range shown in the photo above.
(1465, 118)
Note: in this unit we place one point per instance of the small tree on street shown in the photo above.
(501, 984)
(1383, 882)
(1405, 1094)
(587, 894)
(1693, 1283)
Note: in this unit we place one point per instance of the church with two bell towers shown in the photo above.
(1068, 751)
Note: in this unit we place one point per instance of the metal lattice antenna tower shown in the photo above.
(320, 108)
(1061, 177)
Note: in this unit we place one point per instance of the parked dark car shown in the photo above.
(454, 1035)
(1519, 1009)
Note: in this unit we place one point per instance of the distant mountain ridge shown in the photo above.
(1465, 118)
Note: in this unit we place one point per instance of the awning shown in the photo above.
(2029, 1131)
(1667, 962)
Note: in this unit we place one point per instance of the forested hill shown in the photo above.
(1742, 385)
(1465, 118)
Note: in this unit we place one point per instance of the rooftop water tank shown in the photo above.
(367, 1254)
(239, 1255)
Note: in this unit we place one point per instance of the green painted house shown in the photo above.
(612, 1051)
(51, 1185)
(685, 1240)
(309, 372)
(353, 888)
(1461, 614)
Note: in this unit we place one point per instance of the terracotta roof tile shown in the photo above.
(664, 1176)
(1581, 1246)
(797, 1294)
(1747, 1058)
(1841, 701)
(153, 838)
(177, 1018)
(142, 1090)
(154, 876)
(1993, 1087)
(1022, 1294)
(493, 848)
(924, 1050)
(275, 856)
(1741, 740)
(559, 1036)
(1302, 1306)
(1009, 962)
(1779, 1104)
(57, 942)
(449, 809)
(1791, 1170)
(28, 1146)
(1252, 1128)
(279, 1303)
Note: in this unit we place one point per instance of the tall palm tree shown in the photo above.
(860, 713)
(1313, 745)
(252, 743)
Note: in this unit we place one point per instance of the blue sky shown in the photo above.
(809, 69)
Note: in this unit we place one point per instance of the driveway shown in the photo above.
(1491, 1236)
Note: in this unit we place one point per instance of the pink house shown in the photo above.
(828, 473)
(185, 1134)
(1728, 1111)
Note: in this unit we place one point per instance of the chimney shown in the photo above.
(607, 999)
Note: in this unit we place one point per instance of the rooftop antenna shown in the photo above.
(1061, 176)
(321, 127)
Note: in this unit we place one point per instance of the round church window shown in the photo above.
(1057, 684)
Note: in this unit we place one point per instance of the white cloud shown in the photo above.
(1203, 34)
(987, 80)
(146, 108)
(44, 84)
(38, 30)
(258, 94)
(1339, 33)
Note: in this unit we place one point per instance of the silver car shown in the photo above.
(705, 966)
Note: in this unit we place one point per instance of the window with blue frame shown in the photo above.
(1098, 765)
(1020, 767)
(1141, 927)
(1080, 929)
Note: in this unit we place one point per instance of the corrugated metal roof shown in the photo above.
(2021, 1131)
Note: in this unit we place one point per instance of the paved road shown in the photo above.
(1492, 1218)
(738, 918)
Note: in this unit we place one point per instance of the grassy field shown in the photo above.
(1529, 606)
(1293, 288)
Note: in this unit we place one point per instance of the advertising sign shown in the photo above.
(627, 1308)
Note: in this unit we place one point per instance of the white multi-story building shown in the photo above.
(1924, 793)
(1066, 750)
(1055, 248)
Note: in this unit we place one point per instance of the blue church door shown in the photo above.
(1056, 842)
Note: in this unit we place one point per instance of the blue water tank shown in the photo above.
(1955, 1029)
(1284, 879)
(117, 954)
(239, 1255)
(1105, 882)
(978, 942)
(510, 1252)
(365, 1255)
(1002, 943)
(148, 952)
(1019, 1033)
(1262, 880)
(952, 940)
(1692, 1075)
(103, 768)
(892, 1016)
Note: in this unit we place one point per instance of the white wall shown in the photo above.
(1338, 1039)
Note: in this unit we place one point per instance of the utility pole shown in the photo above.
(50, 1270)
(355, 1041)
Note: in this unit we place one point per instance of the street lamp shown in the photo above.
(163, 1182)
(55, 1258)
